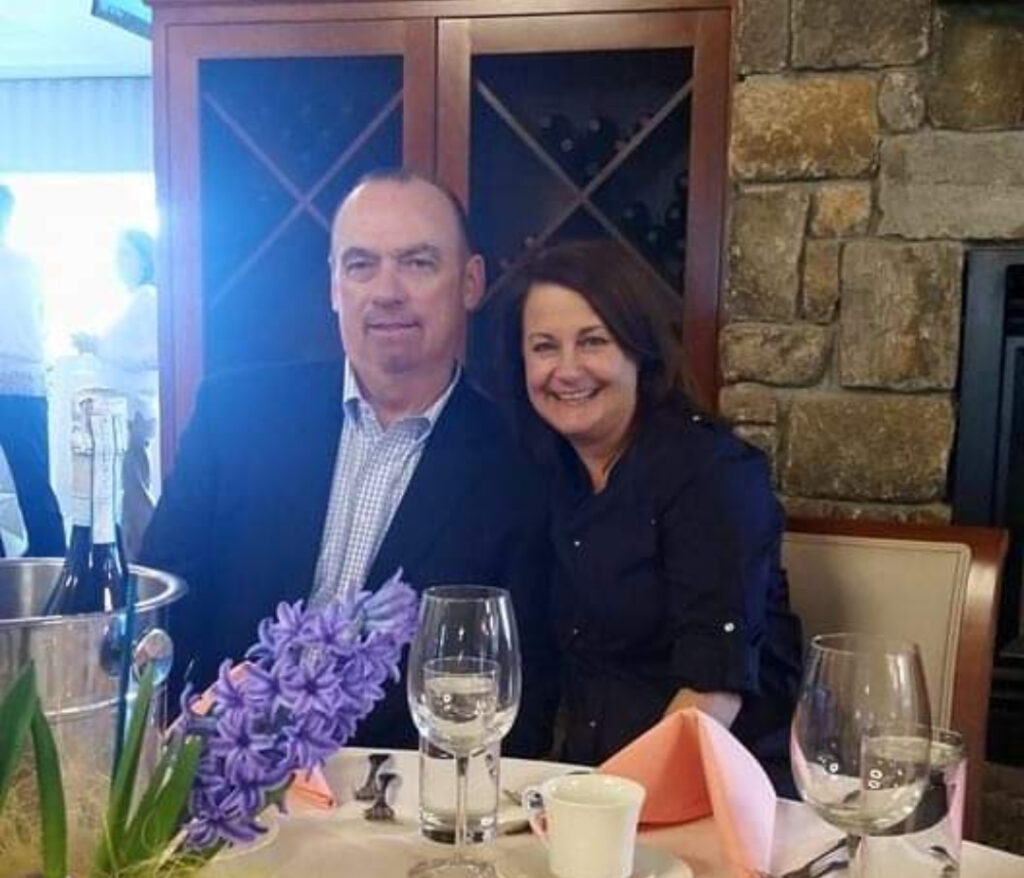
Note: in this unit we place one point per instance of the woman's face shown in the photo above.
(578, 378)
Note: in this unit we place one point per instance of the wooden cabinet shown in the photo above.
(550, 119)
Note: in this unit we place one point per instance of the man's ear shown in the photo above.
(474, 282)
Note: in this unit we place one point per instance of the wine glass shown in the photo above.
(464, 683)
(861, 735)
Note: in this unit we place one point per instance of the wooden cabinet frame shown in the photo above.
(436, 39)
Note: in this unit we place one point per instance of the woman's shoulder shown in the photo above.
(680, 445)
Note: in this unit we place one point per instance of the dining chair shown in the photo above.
(937, 585)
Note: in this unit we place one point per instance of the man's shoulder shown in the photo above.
(289, 381)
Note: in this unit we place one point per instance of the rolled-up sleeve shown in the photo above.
(717, 535)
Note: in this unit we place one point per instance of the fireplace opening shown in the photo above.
(988, 470)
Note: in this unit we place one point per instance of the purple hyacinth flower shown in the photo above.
(245, 751)
(310, 685)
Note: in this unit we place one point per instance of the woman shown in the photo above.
(668, 592)
(129, 349)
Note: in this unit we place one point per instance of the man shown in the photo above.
(313, 480)
(23, 410)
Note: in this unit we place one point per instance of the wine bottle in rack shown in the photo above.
(92, 578)
(599, 138)
(560, 138)
(636, 219)
(675, 217)
(655, 242)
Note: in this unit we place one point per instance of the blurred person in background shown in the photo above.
(128, 351)
(23, 406)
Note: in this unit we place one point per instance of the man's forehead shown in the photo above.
(393, 215)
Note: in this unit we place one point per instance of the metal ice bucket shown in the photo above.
(77, 661)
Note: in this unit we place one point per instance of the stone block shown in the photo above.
(840, 209)
(821, 281)
(930, 513)
(979, 77)
(768, 226)
(901, 103)
(770, 353)
(949, 184)
(748, 404)
(874, 447)
(841, 33)
(762, 38)
(900, 316)
(805, 127)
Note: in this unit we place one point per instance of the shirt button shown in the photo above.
(575, 632)
(592, 724)
(577, 543)
(729, 627)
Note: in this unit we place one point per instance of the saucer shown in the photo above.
(526, 857)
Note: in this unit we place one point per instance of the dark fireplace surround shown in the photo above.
(988, 471)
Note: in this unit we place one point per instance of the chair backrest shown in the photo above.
(937, 585)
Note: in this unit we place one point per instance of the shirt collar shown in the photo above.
(355, 403)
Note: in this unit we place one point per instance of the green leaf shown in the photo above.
(16, 709)
(152, 830)
(51, 798)
(123, 785)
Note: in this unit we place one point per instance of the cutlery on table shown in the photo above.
(368, 791)
(380, 810)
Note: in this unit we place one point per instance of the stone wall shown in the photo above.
(872, 143)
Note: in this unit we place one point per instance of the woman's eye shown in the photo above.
(541, 347)
(594, 341)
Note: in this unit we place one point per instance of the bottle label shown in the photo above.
(103, 481)
(81, 477)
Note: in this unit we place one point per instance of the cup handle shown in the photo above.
(536, 813)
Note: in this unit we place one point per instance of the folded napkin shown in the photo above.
(692, 767)
(308, 789)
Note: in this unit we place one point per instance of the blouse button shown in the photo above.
(729, 627)
(577, 543)
(592, 724)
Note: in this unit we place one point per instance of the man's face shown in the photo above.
(401, 281)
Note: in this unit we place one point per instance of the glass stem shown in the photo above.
(461, 794)
(857, 853)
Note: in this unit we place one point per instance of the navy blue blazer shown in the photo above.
(242, 514)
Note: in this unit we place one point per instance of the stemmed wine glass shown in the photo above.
(464, 684)
(861, 735)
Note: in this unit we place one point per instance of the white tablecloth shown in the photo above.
(339, 842)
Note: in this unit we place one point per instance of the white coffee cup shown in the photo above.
(588, 822)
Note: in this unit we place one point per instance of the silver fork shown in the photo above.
(380, 810)
(368, 791)
(816, 867)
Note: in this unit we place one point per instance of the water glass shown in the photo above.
(437, 793)
(927, 843)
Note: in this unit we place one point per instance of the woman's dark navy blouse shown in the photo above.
(669, 578)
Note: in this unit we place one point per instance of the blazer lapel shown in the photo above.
(312, 460)
(446, 470)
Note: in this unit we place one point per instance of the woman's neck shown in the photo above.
(599, 458)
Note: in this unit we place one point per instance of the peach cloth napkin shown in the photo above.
(309, 789)
(692, 767)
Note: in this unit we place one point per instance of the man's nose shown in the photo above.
(389, 289)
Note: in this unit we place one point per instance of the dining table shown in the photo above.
(316, 842)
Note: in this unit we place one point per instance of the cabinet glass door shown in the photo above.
(589, 126)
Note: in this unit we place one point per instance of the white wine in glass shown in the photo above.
(861, 735)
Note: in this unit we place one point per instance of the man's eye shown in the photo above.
(419, 263)
(358, 268)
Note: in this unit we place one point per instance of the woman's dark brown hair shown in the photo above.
(638, 313)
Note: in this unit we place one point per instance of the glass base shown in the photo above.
(453, 869)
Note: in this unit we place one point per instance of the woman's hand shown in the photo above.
(723, 706)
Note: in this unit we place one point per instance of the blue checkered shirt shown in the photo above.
(371, 472)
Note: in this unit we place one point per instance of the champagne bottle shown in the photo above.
(92, 578)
